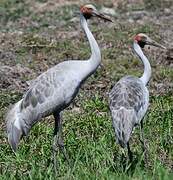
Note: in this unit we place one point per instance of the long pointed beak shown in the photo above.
(154, 43)
(102, 16)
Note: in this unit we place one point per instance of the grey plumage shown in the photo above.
(128, 102)
(54, 90)
(51, 91)
(129, 98)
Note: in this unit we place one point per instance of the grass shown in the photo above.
(89, 140)
(87, 127)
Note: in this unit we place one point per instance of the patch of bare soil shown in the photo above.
(50, 5)
(14, 77)
(128, 15)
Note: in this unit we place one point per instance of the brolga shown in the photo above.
(54, 90)
(129, 98)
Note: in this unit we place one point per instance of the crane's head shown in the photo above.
(142, 40)
(89, 11)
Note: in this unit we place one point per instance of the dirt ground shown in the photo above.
(22, 59)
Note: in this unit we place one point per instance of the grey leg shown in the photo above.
(55, 140)
(144, 148)
(130, 155)
(58, 141)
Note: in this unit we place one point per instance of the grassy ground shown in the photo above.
(35, 35)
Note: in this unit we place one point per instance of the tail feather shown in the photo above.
(14, 137)
(14, 126)
(123, 123)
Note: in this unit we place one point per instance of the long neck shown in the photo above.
(95, 58)
(147, 68)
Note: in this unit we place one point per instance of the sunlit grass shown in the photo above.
(87, 127)
(90, 142)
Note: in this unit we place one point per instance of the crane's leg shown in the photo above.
(58, 141)
(142, 140)
(130, 155)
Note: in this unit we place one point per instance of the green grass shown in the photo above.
(87, 127)
(89, 140)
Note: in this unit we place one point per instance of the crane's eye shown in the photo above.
(88, 10)
(142, 41)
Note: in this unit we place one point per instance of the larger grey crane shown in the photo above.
(54, 90)
(129, 98)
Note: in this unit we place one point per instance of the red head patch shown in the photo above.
(87, 12)
(137, 38)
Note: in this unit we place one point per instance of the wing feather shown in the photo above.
(130, 93)
(39, 91)
(128, 102)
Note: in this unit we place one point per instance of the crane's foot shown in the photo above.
(127, 158)
(55, 151)
(144, 149)
(130, 154)
(59, 145)
(123, 161)
(143, 143)
(63, 150)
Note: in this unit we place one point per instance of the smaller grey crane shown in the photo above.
(129, 98)
(54, 90)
